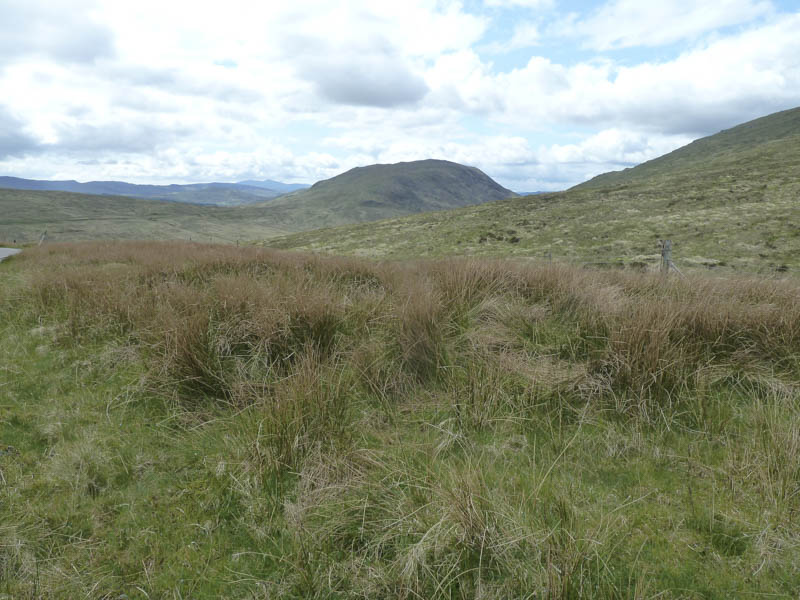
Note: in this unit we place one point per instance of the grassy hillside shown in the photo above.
(66, 216)
(731, 199)
(717, 152)
(191, 421)
(382, 191)
(363, 194)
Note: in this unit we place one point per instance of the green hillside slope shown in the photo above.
(66, 216)
(723, 150)
(730, 199)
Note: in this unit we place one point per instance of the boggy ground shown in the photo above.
(190, 421)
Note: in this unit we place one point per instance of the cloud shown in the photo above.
(519, 3)
(461, 81)
(525, 35)
(616, 148)
(13, 139)
(628, 23)
(181, 82)
(59, 30)
(183, 91)
(369, 73)
(370, 83)
(131, 136)
(724, 82)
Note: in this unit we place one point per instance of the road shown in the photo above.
(6, 252)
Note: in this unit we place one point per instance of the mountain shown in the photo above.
(380, 191)
(221, 194)
(730, 199)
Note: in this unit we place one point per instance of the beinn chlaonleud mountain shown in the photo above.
(727, 199)
(366, 194)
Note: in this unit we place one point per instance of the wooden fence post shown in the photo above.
(666, 258)
(666, 255)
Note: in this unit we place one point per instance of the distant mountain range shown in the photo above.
(76, 211)
(219, 194)
(269, 184)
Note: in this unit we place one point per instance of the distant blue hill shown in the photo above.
(275, 185)
(219, 194)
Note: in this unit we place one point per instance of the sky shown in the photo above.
(539, 94)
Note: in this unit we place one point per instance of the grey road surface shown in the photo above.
(6, 252)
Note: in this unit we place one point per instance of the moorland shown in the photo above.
(450, 415)
(198, 421)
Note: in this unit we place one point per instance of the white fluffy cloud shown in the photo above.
(626, 23)
(58, 29)
(700, 91)
(520, 3)
(95, 89)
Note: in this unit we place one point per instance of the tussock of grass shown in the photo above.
(209, 421)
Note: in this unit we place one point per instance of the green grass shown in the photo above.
(75, 217)
(730, 200)
(184, 420)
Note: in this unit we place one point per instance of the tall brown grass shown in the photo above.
(218, 322)
(496, 371)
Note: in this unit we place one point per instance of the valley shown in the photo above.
(730, 200)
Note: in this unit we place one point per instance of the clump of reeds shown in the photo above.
(210, 316)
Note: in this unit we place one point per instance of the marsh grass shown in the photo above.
(210, 421)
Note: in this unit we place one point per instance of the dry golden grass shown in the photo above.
(217, 322)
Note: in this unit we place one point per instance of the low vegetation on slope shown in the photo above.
(728, 200)
(715, 151)
(359, 195)
(76, 217)
(195, 421)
